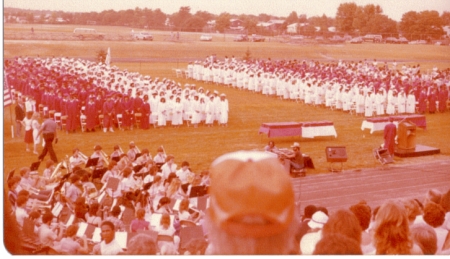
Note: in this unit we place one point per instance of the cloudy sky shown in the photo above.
(394, 9)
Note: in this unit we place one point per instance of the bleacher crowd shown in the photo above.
(81, 93)
(362, 87)
(135, 203)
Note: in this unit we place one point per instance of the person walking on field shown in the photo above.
(49, 133)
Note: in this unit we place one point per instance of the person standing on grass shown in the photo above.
(49, 133)
(35, 126)
(26, 122)
(390, 131)
(20, 115)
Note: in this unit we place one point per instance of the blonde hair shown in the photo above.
(391, 232)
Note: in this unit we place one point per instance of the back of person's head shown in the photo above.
(391, 231)
(196, 246)
(71, 230)
(184, 205)
(343, 222)
(168, 249)
(127, 171)
(47, 218)
(425, 237)
(433, 214)
(140, 213)
(184, 163)
(163, 201)
(337, 244)
(13, 180)
(74, 178)
(433, 195)
(308, 211)
(24, 170)
(363, 213)
(445, 201)
(93, 208)
(252, 208)
(116, 211)
(21, 200)
(141, 244)
(165, 219)
(412, 209)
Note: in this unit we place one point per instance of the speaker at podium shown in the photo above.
(406, 136)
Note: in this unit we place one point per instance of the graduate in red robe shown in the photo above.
(145, 119)
(443, 98)
(127, 112)
(108, 113)
(91, 114)
(390, 131)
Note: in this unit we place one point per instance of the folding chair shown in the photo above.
(63, 121)
(383, 156)
(57, 118)
(83, 122)
(100, 120)
(119, 120)
(137, 119)
(179, 73)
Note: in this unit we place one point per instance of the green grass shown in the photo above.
(200, 146)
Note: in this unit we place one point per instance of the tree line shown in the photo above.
(350, 19)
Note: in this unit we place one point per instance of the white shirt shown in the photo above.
(113, 248)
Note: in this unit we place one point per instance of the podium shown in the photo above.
(334, 155)
(406, 135)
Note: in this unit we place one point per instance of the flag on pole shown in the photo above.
(108, 57)
(7, 97)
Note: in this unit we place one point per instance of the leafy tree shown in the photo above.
(344, 17)
(194, 24)
(445, 18)
(381, 24)
(423, 25)
(181, 17)
(264, 17)
(363, 15)
(292, 18)
(302, 18)
(223, 22)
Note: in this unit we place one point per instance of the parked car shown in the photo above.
(206, 37)
(142, 35)
(402, 40)
(88, 33)
(258, 38)
(356, 40)
(372, 38)
(241, 37)
(391, 40)
(418, 42)
(337, 39)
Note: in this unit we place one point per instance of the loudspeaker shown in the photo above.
(336, 154)
(406, 135)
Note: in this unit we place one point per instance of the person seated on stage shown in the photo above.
(109, 245)
(185, 174)
(69, 244)
(114, 219)
(205, 178)
(123, 162)
(143, 158)
(168, 167)
(115, 155)
(49, 168)
(47, 233)
(296, 157)
(149, 171)
(20, 212)
(141, 244)
(166, 228)
(160, 157)
(92, 216)
(271, 147)
(139, 223)
(112, 171)
(101, 159)
(13, 190)
(74, 190)
(174, 190)
(185, 214)
(132, 152)
(29, 181)
(76, 159)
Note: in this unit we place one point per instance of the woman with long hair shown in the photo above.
(27, 121)
(35, 126)
(391, 231)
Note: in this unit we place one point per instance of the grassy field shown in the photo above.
(200, 146)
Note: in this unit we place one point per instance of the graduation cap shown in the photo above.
(35, 166)
(92, 162)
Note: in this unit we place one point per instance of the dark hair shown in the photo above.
(108, 223)
(309, 211)
(185, 163)
(141, 244)
(21, 200)
(116, 211)
(47, 217)
(337, 244)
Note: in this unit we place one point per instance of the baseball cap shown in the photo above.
(318, 220)
(251, 195)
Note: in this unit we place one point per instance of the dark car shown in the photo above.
(257, 38)
(241, 37)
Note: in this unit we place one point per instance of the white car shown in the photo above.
(206, 37)
(142, 35)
